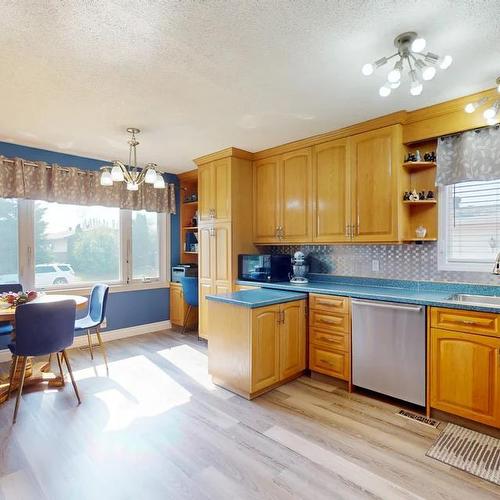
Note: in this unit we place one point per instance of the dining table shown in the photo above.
(37, 373)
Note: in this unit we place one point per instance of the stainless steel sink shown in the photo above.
(486, 300)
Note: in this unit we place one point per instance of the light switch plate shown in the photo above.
(375, 265)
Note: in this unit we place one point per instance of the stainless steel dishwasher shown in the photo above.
(388, 349)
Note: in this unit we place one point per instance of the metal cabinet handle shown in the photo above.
(328, 321)
(328, 304)
(468, 322)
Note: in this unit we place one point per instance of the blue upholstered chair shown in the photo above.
(94, 318)
(42, 329)
(5, 327)
(190, 291)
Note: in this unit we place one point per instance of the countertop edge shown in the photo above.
(395, 295)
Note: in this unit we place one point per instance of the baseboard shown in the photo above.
(109, 335)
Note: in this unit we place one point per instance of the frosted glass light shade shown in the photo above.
(159, 183)
(367, 69)
(117, 174)
(150, 177)
(106, 178)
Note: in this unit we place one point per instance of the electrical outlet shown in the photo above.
(375, 265)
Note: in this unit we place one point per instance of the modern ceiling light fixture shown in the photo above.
(491, 113)
(131, 173)
(420, 66)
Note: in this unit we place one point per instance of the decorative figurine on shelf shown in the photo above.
(414, 196)
(430, 195)
(422, 195)
(417, 156)
(194, 220)
(421, 231)
(406, 196)
(411, 157)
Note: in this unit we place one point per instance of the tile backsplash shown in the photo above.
(405, 262)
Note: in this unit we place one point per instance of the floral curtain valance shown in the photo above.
(470, 156)
(38, 181)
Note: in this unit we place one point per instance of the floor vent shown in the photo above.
(418, 418)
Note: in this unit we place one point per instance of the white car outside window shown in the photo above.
(53, 274)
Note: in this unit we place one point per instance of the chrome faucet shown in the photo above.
(496, 267)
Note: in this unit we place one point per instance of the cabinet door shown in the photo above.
(295, 201)
(205, 288)
(222, 254)
(375, 162)
(206, 189)
(176, 304)
(292, 338)
(222, 189)
(465, 375)
(331, 192)
(265, 347)
(205, 252)
(266, 217)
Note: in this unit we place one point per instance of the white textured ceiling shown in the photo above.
(198, 76)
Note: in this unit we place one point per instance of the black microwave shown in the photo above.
(264, 268)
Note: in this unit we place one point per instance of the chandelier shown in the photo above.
(491, 113)
(131, 174)
(410, 54)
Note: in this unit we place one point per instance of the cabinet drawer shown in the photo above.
(329, 303)
(329, 362)
(482, 323)
(338, 341)
(338, 323)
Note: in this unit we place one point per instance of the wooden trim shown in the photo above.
(224, 153)
(358, 128)
(190, 176)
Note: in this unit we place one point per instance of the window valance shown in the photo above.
(470, 156)
(39, 181)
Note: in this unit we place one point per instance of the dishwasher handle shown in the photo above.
(387, 306)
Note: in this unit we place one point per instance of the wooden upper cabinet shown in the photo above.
(292, 339)
(376, 158)
(266, 213)
(331, 192)
(222, 189)
(465, 375)
(265, 347)
(295, 199)
(205, 190)
(214, 191)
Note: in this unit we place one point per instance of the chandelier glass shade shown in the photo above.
(131, 174)
(491, 113)
(411, 59)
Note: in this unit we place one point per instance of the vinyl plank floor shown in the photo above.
(158, 428)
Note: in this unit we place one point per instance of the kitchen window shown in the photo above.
(469, 226)
(54, 246)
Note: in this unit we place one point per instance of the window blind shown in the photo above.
(473, 221)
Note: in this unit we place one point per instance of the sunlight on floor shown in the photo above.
(192, 362)
(134, 396)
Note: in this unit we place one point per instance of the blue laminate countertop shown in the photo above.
(257, 298)
(409, 292)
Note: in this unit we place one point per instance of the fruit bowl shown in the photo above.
(12, 299)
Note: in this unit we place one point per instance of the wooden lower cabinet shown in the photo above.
(330, 336)
(465, 375)
(252, 351)
(179, 308)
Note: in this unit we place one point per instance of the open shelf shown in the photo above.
(188, 233)
(410, 165)
(191, 253)
(418, 239)
(190, 202)
(190, 228)
(420, 202)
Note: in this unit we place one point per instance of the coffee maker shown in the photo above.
(300, 269)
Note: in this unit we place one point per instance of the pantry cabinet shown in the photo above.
(465, 366)
(347, 190)
(282, 188)
(253, 350)
(224, 225)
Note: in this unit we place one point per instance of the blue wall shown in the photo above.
(125, 309)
